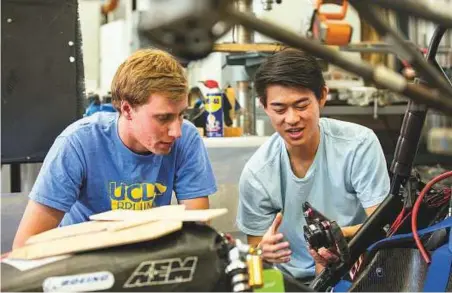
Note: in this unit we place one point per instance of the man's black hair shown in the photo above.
(290, 68)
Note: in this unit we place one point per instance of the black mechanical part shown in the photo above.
(393, 270)
(317, 229)
(187, 28)
(319, 232)
(318, 235)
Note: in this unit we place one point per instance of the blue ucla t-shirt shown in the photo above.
(89, 170)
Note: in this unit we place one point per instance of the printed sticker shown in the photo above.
(162, 272)
(95, 281)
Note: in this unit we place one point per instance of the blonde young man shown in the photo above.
(133, 159)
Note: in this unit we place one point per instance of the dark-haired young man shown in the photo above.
(338, 167)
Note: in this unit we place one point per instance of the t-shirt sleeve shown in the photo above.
(369, 174)
(61, 176)
(194, 175)
(255, 212)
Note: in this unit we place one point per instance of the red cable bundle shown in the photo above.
(415, 211)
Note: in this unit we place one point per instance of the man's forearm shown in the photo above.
(318, 269)
(350, 231)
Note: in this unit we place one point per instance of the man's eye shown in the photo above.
(163, 118)
(303, 107)
(279, 111)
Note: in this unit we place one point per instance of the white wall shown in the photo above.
(90, 21)
(117, 41)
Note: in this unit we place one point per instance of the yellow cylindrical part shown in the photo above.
(255, 271)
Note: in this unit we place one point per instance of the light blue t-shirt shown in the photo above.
(348, 174)
(89, 170)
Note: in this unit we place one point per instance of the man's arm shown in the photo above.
(194, 178)
(350, 231)
(254, 240)
(56, 189)
(200, 203)
(37, 218)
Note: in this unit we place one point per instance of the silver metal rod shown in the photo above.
(382, 78)
(407, 52)
(439, 14)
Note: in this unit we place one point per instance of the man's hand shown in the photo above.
(273, 250)
(322, 258)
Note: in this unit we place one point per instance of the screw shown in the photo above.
(379, 272)
(71, 43)
(9, 20)
(71, 59)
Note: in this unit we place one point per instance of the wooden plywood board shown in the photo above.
(117, 220)
(185, 216)
(67, 231)
(124, 215)
(96, 240)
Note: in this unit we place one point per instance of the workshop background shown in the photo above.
(106, 33)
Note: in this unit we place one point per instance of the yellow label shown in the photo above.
(213, 103)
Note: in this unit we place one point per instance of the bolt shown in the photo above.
(71, 43)
(379, 272)
(71, 59)
(9, 20)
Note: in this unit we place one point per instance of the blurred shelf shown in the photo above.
(331, 110)
(364, 47)
(243, 48)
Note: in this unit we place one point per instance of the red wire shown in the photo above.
(396, 222)
(416, 207)
(400, 224)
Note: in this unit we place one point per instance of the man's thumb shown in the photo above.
(276, 223)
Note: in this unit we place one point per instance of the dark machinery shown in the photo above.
(196, 258)
(319, 232)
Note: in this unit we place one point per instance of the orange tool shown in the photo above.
(331, 28)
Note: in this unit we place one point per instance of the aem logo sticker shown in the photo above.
(161, 272)
(77, 283)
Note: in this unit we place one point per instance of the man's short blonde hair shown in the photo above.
(147, 72)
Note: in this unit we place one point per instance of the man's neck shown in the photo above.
(301, 157)
(307, 151)
(125, 135)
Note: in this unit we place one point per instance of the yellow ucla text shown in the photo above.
(136, 196)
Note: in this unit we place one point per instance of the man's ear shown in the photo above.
(126, 110)
(322, 101)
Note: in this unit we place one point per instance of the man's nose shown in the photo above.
(175, 129)
(292, 117)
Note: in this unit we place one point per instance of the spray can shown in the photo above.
(214, 109)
